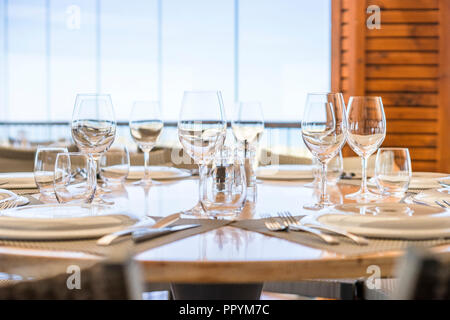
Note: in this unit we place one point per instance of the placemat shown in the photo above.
(345, 247)
(90, 247)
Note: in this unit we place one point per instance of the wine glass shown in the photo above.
(93, 127)
(201, 131)
(366, 130)
(323, 131)
(44, 168)
(248, 127)
(146, 125)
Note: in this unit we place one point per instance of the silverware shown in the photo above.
(147, 234)
(444, 204)
(293, 224)
(164, 222)
(8, 204)
(421, 202)
(312, 223)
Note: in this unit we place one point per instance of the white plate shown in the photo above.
(17, 180)
(61, 222)
(158, 173)
(419, 180)
(390, 220)
(285, 172)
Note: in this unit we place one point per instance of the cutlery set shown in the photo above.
(309, 225)
(146, 230)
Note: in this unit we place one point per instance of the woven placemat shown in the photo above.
(90, 247)
(345, 247)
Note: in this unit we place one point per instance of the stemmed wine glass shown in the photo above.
(323, 131)
(93, 128)
(248, 127)
(146, 125)
(366, 131)
(201, 131)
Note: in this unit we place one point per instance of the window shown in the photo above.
(273, 51)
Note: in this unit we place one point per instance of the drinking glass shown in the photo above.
(248, 127)
(93, 127)
(146, 125)
(366, 130)
(44, 168)
(225, 185)
(334, 171)
(201, 131)
(115, 165)
(393, 171)
(73, 178)
(323, 131)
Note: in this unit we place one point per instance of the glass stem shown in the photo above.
(364, 176)
(202, 175)
(92, 174)
(323, 196)
(147, 166)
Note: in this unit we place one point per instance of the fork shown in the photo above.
(292, 224)
(312, 223)
(8, 205)
(444, 204)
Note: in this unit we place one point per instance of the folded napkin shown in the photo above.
(17, 180)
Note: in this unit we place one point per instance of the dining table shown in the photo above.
(228, 257)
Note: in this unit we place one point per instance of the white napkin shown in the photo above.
(17, 180)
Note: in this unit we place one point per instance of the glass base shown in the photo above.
(146, 183)
(318, 206)
(313, 184)
(361, 196)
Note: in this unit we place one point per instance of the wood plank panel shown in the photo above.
(404, 4)
(410, 140)
(408, 99)
(393, 72)
(424, 166)
(403, 16)
(399, 57)
(336, 51)
(400, 44)
(412, 126)
(399, 85)
(400, 30)
(418, 153)
(411, 113)
(444, 88)
(356, 48)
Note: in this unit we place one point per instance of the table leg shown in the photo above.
(246, 291)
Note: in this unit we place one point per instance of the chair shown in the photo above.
(114, 278)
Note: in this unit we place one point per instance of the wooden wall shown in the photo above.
(406, 62)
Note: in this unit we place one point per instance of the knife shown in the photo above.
(143, 235)
(164, 222)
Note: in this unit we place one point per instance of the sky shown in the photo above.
(280, 52)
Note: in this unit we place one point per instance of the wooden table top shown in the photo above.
(230, 254)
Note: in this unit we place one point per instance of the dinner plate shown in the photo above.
(17, 180)
(285, 172)
(61, 222)
(390, 220)
(419, 180)
(158, 173)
